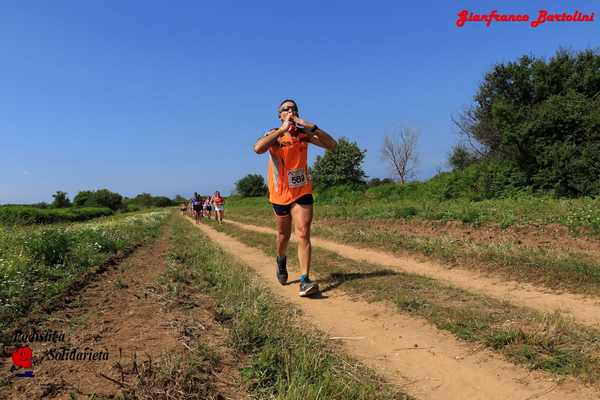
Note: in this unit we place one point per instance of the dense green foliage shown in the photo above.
(252, 185)
(86, 205)
(179, 199)
(24, 215)
(60, 200)
(542, 117)
(341, 166)
(99, 198)
(378, 182)
(146, 200)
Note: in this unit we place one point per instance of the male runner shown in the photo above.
(290, 185)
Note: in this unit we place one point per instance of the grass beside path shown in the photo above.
(539, 341)
(580, 215)
(39, 265)
(285, 362)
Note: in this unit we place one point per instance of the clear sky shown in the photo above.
(168, 97)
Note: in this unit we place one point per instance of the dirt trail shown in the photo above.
(585, 310)
(409, 352)
(122, 313)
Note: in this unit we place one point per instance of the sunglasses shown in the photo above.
(288, 109)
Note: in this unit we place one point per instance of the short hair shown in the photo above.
(288, 100)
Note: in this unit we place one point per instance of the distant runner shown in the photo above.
(183, 208)
(197, 206)
(207, 207)
(218, 204)
(290, 185)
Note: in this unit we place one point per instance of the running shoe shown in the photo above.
(282, 275)
(308, 288)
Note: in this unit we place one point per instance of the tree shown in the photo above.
(510, 92)
(99, 198)
(543, 118)
(162, 201)
(106, 198)
(461, 157)
(340, 166)
(400, 151)
(251, 186)
(82, 198)
(378, 182)
(143, 200)
(147, 200)
(61, 200)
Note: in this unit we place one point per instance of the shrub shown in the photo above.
(25, 215)
(251, 186)
(49, 246)
(99, 198)
(341, 166)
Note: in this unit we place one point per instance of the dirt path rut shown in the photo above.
(585, 310)
(408, 352)
(123, 314)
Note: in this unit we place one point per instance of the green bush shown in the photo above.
(50, 247)
(341, 166)
(133, 207)
(251, 186)
(26, 215)
(542, 118)
(99, 198)
(342, 194)
(405, 212)
(394, 191)
(484, 180)
(146, 200)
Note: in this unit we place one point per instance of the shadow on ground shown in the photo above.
(336, 279)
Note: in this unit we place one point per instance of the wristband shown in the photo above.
(314, 128)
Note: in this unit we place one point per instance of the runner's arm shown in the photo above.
(321, 138)
(264, 142)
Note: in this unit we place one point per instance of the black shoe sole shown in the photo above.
(310, 291)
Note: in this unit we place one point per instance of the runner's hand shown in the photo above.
(304, 123)
(286, 125)
(298, 120)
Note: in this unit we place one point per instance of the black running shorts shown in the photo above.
(283, 210)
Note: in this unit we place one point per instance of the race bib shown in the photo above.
(296, 178)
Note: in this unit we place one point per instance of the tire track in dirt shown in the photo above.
(584, 310)
(409, 352)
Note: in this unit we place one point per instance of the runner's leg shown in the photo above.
(284, 230)
(302, 217)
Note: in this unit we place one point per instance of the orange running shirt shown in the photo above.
(289, 175)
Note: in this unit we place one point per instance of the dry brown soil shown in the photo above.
(124, 313)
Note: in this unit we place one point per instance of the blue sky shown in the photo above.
(169, 97)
